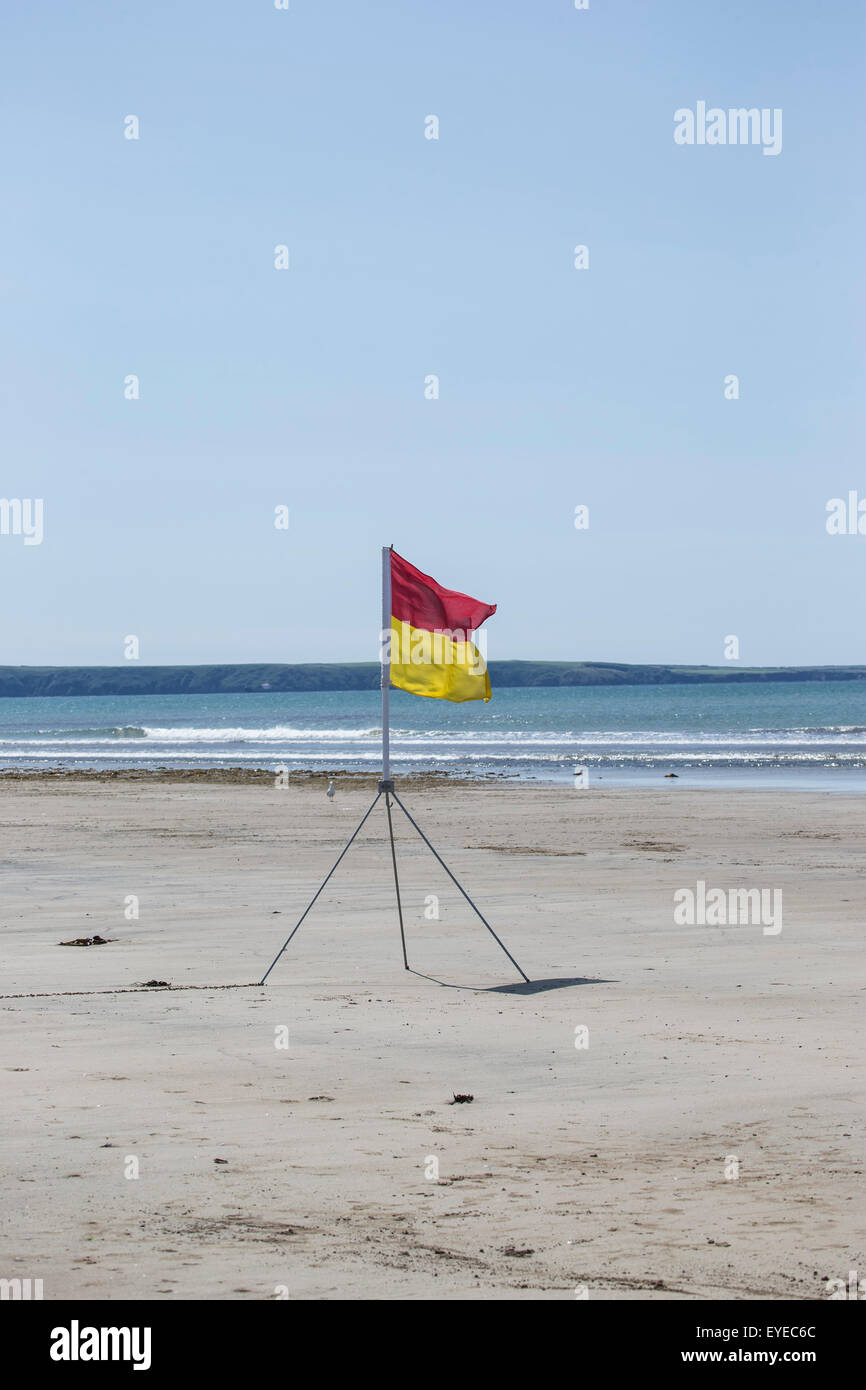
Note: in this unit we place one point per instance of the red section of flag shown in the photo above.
(418, 600)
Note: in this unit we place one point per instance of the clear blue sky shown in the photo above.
(409, 257)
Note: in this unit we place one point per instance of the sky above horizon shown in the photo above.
(411, 257)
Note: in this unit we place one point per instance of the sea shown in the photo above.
(789, 734)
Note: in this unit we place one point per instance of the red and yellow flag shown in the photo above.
(431, 653)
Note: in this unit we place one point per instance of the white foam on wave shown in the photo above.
(273, 733)
(568, 741)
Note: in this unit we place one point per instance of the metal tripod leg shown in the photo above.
(318, 891)
(396, 879)
(460, 886)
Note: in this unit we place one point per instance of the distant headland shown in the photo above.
(257, 678)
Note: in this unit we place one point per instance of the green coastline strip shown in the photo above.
(27, 681)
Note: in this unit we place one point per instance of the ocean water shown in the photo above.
(803, 733)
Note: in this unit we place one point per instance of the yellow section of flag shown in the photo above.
(435, 665)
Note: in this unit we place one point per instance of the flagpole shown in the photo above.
(386, 662)
(386, 785)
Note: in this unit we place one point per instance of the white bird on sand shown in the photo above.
(331, 792)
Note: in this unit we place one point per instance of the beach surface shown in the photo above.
(669, 1111)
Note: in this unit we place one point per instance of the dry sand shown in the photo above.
(601, 1168)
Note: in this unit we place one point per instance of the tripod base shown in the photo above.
(386, 789)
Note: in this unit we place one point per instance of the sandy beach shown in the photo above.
(706, 1142)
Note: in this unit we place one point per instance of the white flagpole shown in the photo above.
(386, 662)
